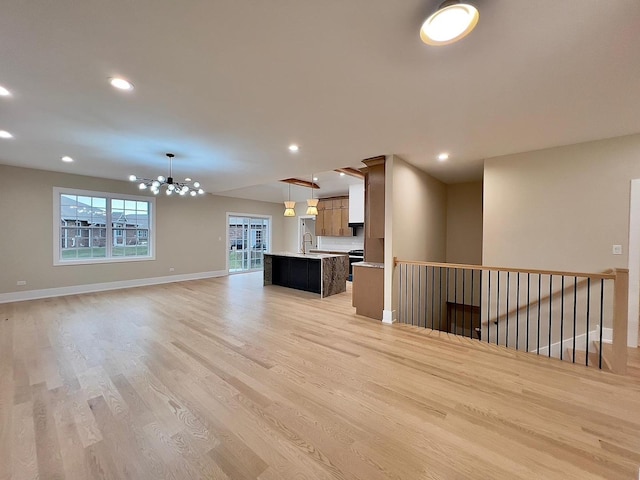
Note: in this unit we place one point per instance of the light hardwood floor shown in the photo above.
(225, 379)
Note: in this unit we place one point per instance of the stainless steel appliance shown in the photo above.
(354, 256)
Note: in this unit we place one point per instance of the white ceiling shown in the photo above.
(228, 85)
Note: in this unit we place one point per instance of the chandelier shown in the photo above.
(171, 186)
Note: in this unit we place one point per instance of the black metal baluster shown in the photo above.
(550, 309)
(447, 299)
(528, 305)
(419, 294)
(473, 274)
(498, 311)
(400, 312)
(518, 311)
(539, 305)
(433, 296)
(575, 314)
(455, 300)
(508, 287)
(412, 287)
(464, 324)
(601, 321)
(586, 362)
(440, 298)
(489, 308)
(562, 318)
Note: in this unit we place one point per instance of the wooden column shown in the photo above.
(620, 320)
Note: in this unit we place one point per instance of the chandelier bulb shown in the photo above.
(132, 178)
(193, 193)
(142, 186)
(200, 191)
(161, 179)
(196, 184)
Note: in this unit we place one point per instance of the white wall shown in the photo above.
(464, 223)
(415, 221)
(190, 232)
(562, 208)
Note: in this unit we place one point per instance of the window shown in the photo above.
(96, 227)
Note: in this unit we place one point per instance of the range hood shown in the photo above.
(356, 205)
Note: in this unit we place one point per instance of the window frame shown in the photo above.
(109, 196)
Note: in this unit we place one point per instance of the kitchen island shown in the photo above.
(321, 273)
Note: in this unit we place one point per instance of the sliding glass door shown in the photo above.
(248, 240)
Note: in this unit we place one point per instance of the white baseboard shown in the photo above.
(100, 287)
(389, 316)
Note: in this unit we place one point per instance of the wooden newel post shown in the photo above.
(620, 320)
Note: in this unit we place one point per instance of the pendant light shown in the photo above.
(453, 21)
(289, 206)
(312, 203)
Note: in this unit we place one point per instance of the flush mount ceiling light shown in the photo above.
(4, 92)
(67, 159)
(289, 206)
(312, 203)
(120, 83)
(294, 148)
(452, 21)
(443, 156)
(171, 186)
(5, 134)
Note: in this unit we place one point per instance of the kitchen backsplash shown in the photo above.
(342, 243)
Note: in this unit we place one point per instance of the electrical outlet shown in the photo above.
(171, 269)
(21, 282)
(617, 250)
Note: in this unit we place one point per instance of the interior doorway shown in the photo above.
(307, 224)
(634, 264)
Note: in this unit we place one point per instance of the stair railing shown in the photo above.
(553, 313)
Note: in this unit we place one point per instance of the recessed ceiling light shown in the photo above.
(342, 174)
(4, 92)
(315, 179)
(294, 148)
(5, 134)
(120, 83)
(67, 159)
(451, 22)
(187, 179)
(443, 156)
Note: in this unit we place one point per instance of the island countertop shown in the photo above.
(305, 255)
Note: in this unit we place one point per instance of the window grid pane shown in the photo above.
(85, 234)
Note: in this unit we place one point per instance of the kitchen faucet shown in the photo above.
(304, 241)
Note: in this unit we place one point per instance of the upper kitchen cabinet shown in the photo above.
(374, 197)
(333, 217)
(374, 209)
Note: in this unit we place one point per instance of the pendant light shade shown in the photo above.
(289, 209)
(312, 203)
(289, 206)
(452, 21)
(312, 206)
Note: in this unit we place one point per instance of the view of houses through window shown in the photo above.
(103, 227)
(248, 238)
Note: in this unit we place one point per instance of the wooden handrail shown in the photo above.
(594, 276)
(558, 293)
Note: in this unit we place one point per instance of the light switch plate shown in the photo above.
(617, 250)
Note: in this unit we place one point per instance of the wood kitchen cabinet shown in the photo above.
(333, 217)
